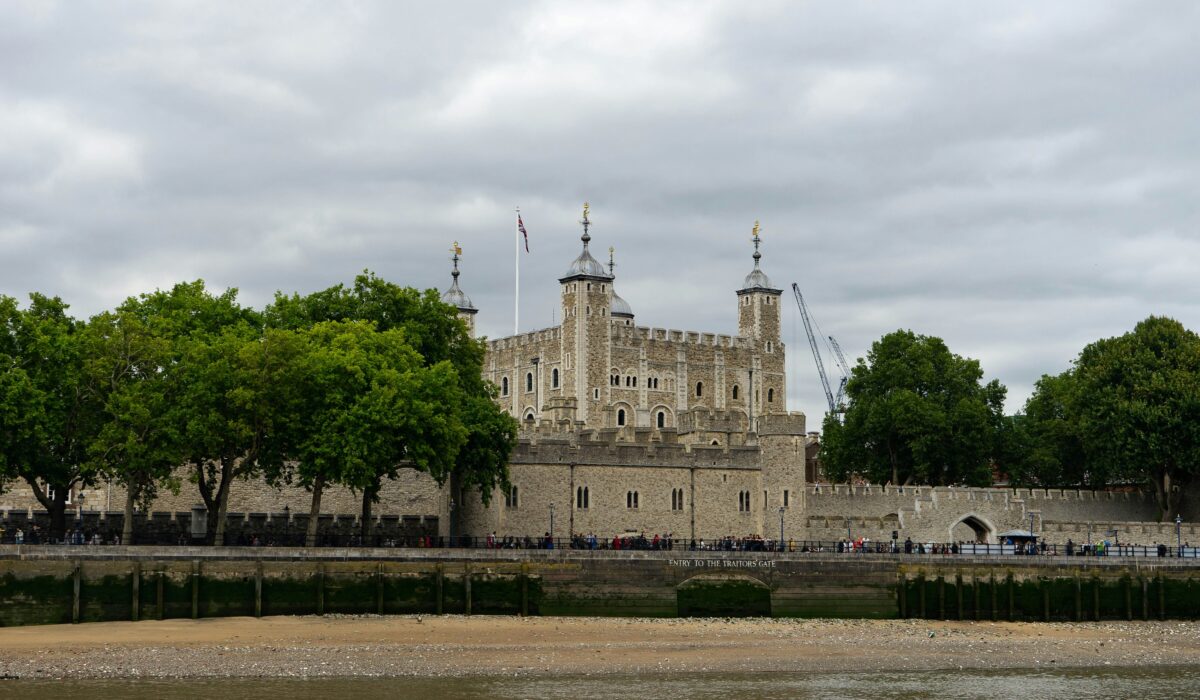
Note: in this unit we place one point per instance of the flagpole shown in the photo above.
(517, 275)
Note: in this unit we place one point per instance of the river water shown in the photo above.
(1063, 684)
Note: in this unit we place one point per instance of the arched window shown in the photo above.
(676, 499)
(735, 392)
(662, 419)
(631, 499)
(504, 386)
(699, 389)
(529, 381)
(554, 378)
(620, 416)
(581, 497)
(770, 395)
(511, 499)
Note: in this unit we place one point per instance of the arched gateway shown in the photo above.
(972, 528)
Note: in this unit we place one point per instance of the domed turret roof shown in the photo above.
(455, 296)
(620, 307)
(757, 279)
(585, 265)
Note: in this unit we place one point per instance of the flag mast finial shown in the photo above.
(586, 223)
(757, 239)
(611, 264)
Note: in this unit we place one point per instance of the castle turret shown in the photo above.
(759, 320)
(621, 311)
(455, 296)
(586, 347)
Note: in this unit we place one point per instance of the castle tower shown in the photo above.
(586, 348)
(455, 296)
(759, 321)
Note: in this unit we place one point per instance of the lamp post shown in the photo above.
(848, 536)
(451, 528)
(781, 510)
(551, 523)
(287, 525)
(1178, 535)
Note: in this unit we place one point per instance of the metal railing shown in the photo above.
(628, 543)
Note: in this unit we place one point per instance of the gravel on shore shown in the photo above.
(430, 646)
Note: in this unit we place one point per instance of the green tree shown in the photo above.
(1138, 402)
(434, 330)
(46, 415)
(917, 413)
(129, 371)
(368, 407)
(1045, 447)
(221, 423)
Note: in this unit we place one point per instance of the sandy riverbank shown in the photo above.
(455, 645)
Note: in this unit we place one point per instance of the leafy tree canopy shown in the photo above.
(917, 413)
(1137, 398)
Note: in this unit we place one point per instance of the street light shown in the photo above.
(451, 528)
(551, 525)
(781, 509)
(1178, 536)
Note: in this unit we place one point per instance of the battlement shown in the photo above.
(523, 339)
(670, 335)
(604, 448)
(712, 420)
(792, 423)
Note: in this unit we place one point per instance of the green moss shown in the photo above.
(35, 600)
(105, 599)
(226, 596)
(408, 594)
(288, 595)
(723, 598)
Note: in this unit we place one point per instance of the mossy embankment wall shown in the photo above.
(46, 585)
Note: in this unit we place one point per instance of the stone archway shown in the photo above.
(723, 595)
(972, 528)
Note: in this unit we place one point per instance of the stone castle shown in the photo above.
(630, 429)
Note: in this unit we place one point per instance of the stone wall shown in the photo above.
(40, 585)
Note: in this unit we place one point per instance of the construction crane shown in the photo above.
(841, 363)
(835, 405)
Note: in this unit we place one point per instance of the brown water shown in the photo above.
(1064, 684)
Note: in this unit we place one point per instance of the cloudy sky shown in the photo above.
(1019, 179)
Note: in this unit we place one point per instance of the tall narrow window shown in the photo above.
(662, 419)
(511, 499)
(504, 386)
(631, 499)
(699, 389)
(529, 381)
(621, 416)
(581, 497)
(735, 392)
(786, 494)
(554, 378)
(770, 395)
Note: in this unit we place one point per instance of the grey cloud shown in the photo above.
(1019, 179)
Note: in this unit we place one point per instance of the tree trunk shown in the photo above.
(223, 501)
(314, 513)
(55, 507)
(127, 526)
(1162, 493)
(205, 488)
(367, 502)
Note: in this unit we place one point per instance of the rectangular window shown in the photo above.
(785, 498)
